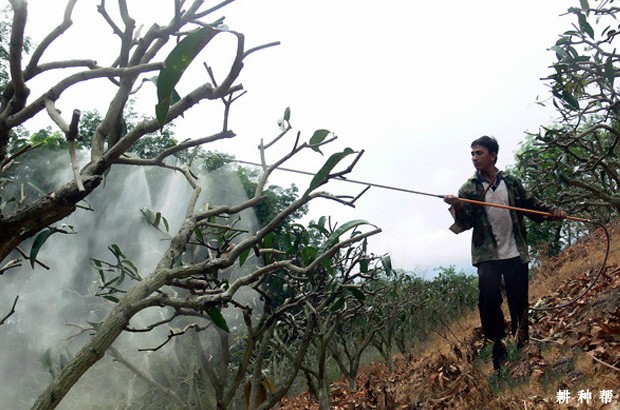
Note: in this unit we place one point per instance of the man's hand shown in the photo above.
(452, 200)
(558, 214)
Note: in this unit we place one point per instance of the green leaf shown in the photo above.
(560, 178)
(166, 224)
(560, 53)
(287, 114)
(321, 176)
(585, 26)
(333, 238)
(610, 72)
(339, 304)
(111, 298)
(99, 267)
(111, 282)
(38, 243)
(584, 5)
(563, 40)
(582, 59)
(317, 138)
(269, 240)
(148, 214)
(386, 261)
(309, 254)
(174, 98)
(329, 266)
(175, 65)
(133, 268)
(198, 234)
(570, 99)
(320, 226)
(359, 295)
(217, 318)
(244, 255)
(114, 248)
(155, 218)
(364, 265)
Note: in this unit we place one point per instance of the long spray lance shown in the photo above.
(411, 191)
(472, 201)
(352, 181)
(525, 210)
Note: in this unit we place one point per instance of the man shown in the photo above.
(499, 244)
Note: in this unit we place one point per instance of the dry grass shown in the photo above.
(454, 370)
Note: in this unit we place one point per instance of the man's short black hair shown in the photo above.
(489, 143)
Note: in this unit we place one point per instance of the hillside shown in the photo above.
(574, 349)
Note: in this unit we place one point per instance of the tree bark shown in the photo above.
(42, 213)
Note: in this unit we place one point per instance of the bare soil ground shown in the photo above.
(573, 349)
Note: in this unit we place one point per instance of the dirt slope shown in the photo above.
(573, 350)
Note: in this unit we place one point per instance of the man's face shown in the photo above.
(482, 158)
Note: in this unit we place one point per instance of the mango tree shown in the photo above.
(191, 277)
(581, 149)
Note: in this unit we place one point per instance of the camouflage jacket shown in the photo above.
(483, 244)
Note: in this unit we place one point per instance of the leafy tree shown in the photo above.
(332, 294)
(584, 144)
(149, 146)
(398, 306)
(193, 276)
(409, 308)
(534, 167)
(276, 198)
(214, 160)
(576, 161)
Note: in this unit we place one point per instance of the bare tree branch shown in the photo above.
(8, 315)
(49, 39)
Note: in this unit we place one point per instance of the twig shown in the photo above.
(71, 134)
(261, 47)
(4, 164)
(602, 362)
(545, 340)
(51, 37)
(213, 9)
(25, 256)
(15, 263)
(11, 312)
(102, 10)
(159, 159)
(173, 334)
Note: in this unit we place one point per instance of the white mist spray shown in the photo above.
(54, 303)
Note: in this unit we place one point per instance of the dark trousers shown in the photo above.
(490, 300)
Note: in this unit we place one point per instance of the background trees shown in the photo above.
(575, 161)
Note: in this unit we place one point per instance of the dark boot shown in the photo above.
(499, 354)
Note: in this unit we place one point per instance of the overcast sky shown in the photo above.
(410, 82)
